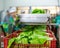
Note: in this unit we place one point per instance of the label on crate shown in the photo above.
(2, 44)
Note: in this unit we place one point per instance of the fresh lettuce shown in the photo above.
(10, 42)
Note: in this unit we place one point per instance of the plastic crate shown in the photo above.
(51, 43)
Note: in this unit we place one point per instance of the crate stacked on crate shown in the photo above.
(47, 44)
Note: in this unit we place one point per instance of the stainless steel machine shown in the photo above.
(34, 18)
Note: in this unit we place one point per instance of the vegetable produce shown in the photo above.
(53, 20)
(38, 11)
(35, 36)
(24, 40)
(40, 39)
(10, 42)
(17, 40)
(27, 28)
(34, 41)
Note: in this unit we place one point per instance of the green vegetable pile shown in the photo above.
(53, 20)
(38, 11)
(31, 35)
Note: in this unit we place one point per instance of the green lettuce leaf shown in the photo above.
(10, 42)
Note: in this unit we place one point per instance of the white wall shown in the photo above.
(59, 2)
(1, 4)
(9, 3)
